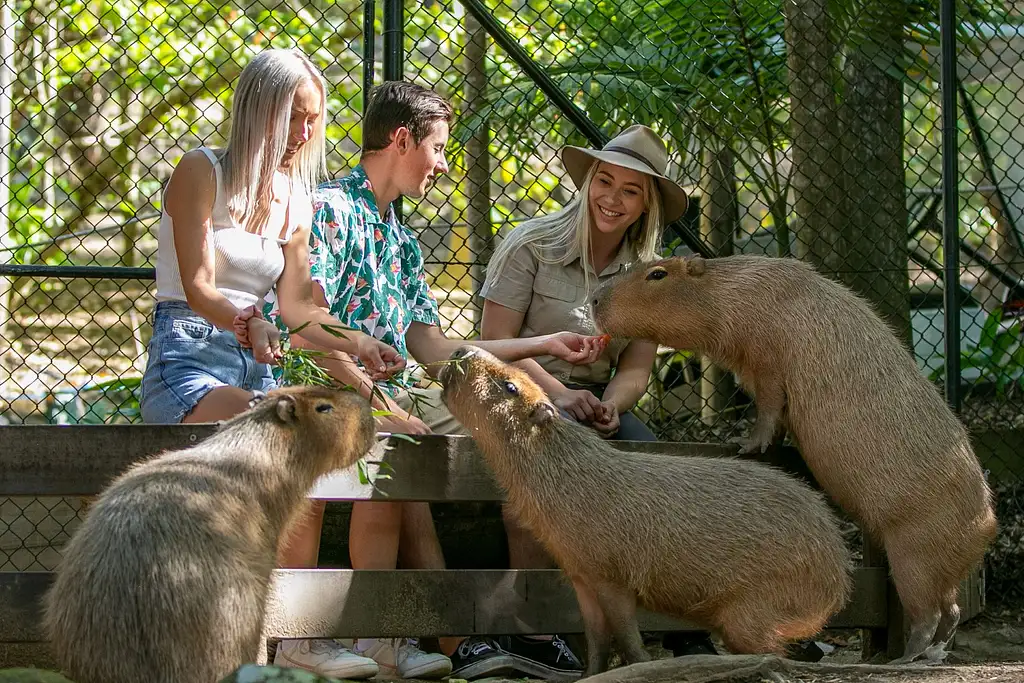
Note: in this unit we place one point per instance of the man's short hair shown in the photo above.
(394, 104)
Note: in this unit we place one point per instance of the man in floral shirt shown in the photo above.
(367, 269)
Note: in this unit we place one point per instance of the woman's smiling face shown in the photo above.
(616, 198)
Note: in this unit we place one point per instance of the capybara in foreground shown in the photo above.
(818, 361)
(166, 580)
(738, 547)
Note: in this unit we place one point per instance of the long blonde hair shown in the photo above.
(261, 111)
(565, 234)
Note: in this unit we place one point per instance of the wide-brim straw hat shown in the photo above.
(638, 148)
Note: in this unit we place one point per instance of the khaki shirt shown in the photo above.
(554, 300)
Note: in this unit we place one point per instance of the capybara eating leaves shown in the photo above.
(166, 580)
(735, 546)
(820, 363)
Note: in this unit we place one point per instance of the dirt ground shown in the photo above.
(989, 648)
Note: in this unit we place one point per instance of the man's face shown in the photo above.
(424, 162)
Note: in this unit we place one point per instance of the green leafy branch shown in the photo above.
(299, 367)
(998, 355)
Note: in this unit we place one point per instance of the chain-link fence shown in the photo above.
(808, 128)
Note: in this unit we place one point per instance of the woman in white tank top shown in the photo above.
(235, 225)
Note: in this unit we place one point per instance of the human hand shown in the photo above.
(608, 424)
(265, 339)
(575, 348)
(581, 404)
(379, 359)
(240, 325)
(401, 422)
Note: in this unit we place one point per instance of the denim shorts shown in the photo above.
(189, 356)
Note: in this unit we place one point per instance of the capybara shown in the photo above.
(820, 363)
(735, 546)
(166, 580)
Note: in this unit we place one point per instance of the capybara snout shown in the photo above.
(649, 286)
(338, 421)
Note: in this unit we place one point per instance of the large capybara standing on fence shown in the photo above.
(736, 546)
(166, 580)
(876, 434)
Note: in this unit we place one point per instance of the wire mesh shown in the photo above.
(807, 129)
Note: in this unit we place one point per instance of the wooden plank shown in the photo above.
(80, 460)
(971, 598)
(393, 603)
(886, 638)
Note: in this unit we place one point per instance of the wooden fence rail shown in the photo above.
(79, 460)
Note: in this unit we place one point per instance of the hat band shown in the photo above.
(631, 153)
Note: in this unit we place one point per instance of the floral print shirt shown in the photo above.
(370, 268)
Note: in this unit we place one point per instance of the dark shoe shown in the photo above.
(686, 643)
(480, 657)
(551, 659)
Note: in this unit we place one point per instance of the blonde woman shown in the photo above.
(542, 276)
(234, 229)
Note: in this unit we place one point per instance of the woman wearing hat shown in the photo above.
(542, 276)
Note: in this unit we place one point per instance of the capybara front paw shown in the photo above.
(753, 445)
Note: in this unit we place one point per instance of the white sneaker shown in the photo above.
(325, 657)
(403, 657)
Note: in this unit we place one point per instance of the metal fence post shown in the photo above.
(950, 202)
(394, 57)
(369, 48)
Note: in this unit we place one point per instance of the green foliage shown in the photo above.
(113, 401)
(127, 74)
(998, 355)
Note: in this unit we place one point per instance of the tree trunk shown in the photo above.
(819, 199)
(719, 218)
(478, 158)
(871, 117)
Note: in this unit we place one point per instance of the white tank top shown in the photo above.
(246, 265)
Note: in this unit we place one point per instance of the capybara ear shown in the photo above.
(257, 396)
(695, 266)
(542, 413)
(286, 409)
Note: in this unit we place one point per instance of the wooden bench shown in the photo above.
(80, 460)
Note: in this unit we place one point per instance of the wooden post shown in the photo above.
(890, 639)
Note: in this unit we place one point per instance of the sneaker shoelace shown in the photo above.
(318, 646)
(563, 649)
(469, 649)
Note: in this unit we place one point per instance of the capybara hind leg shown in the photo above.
(936, 652)
(619, 606)
(922, 629)
(919, 591)
(599, 637)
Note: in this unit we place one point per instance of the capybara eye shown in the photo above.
(511, 388)
(657, 274)
(324, 408)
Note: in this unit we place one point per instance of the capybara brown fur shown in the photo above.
(167, 578)
(735, 546)
(822, 364)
